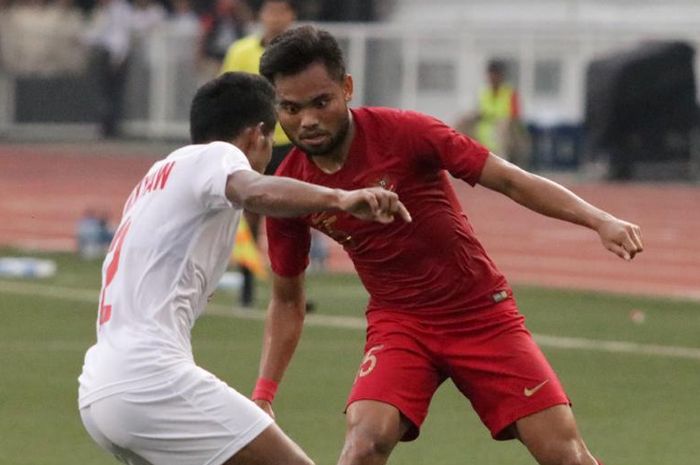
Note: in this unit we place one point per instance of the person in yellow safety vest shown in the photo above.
(499, 106)
(275, 17)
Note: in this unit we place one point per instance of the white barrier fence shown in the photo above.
(435, 69)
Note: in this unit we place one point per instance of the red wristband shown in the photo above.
(265, 389)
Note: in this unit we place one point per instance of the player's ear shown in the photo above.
(348, 87)
(257, 132)
(262, 129)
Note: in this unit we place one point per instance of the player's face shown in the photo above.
(312, 108)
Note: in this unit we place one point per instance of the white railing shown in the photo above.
(436, 69)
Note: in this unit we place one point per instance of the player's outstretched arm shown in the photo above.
(281, 196)
(549, 198)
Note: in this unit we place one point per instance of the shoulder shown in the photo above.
(243, 55)
(247, 44)
(211, 152)
(392, 119)
(377, 114)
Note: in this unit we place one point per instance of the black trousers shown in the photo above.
(110, 80)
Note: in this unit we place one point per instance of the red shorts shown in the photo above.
(488, 354)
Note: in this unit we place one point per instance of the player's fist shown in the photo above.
(374, 204)
(621, 238)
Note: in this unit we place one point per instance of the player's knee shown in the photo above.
(362, 447)
(365, 451)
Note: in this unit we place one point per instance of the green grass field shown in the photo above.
(637, 404)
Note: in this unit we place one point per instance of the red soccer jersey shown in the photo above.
(434, 263)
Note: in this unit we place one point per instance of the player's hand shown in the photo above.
(621, 238)
(266, 406)
(374, 204)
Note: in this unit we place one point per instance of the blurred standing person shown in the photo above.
(183, 30)
(227, 23)
(65, 24)
(147, 15)
(27, 39)
(4, 25)
(498, 125)
(183, 17)
(275, 17)
(109, 36)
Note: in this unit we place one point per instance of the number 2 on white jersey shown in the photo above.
(115, 248)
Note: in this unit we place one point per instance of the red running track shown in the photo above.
(44, 191)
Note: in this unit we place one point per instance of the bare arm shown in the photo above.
(280, 196)
(283, 326)
(551, 199)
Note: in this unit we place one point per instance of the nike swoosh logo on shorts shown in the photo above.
(530, 391)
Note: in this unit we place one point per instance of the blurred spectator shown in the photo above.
(275, 17)
(183, 18)
(109, 37)
(146, 16)
(41, 38)
(93, 235)
(183, 31)
(203, 7)
(227, 23)
(496, 123)
(342, 10)
(65, 27)
(6, 34)
(4, 26)
(23, 46)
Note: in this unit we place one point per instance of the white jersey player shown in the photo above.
(141, 395)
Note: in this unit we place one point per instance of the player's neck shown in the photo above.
(333, 162)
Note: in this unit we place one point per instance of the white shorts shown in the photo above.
(190, 418)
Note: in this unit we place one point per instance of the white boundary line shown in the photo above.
(347, 322)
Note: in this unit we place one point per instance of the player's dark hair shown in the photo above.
(295, 49)
(223, 107)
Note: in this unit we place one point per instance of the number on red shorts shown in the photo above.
(369, 362)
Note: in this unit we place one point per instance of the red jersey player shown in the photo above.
(439, 308)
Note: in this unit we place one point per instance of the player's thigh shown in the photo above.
(502, 371)
(271, 447)
(398, 370)
(556, 423)
(551, 435)
(189, 419)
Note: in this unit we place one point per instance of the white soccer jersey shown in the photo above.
(167, 256)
